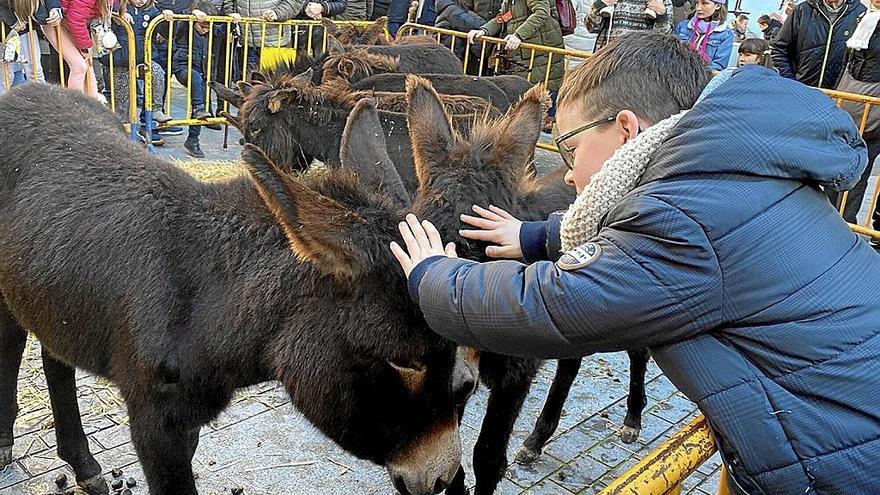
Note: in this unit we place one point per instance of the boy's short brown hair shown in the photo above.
(652, 74)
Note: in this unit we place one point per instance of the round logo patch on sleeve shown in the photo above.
(580, 256)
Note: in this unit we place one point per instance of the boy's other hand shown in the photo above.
(168, 15)
(496, 226)
(422, 241)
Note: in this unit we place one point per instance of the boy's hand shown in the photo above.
(657, 6)
(496, 226)
(422, 241)
(200, 15)
(475, 34)
(513, 42)
(168, 15)
(270, 15)
(128, 18)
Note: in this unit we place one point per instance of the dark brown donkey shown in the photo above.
(493, 166)
(180, 292)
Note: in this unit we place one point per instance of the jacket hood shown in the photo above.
(757, 123)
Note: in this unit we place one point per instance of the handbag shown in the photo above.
(567, 16)
(849, 84)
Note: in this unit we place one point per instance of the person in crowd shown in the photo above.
(72, 38)
(353, 10)
(329, 8)
(708, 33)
(769, 26)
(861, 75)
(699, 231)
(21, 18)
(268, 10)
(189, 66)
(535, 22)
(755, 51)
(741, 28)
(611, 18)
(811, 44)
(398, 11)
(139, 14)
(466, 16)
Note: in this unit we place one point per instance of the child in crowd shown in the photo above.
(708, 33)
(22, 49)
(189, 66)
(138, 13)
(755, 51)
(72, 38)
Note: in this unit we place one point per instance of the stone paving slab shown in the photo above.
(260, 443)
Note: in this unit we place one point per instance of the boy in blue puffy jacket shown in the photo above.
(701, 231)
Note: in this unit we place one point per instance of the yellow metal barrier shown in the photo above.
(131, 125)
(299, 31)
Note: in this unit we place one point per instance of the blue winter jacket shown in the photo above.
(719, 46)
(730, 264)
(142, 18)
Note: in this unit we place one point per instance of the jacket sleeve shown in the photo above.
(540, 12)
(593, 21)
(492, 28)
(540, 241)
(655, 281)
(721, 58)
(458, 17)
(334, 7)
(784, 43)
(229, 7)
(77, 18)
(288, 9)
(663, 24)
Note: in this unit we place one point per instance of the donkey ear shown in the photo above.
(245, 88)
(257, 77)
(330, 26)
(317, 227)
(304, 77)
(334, 47)
(514, 136)
(430, 129)
(379, 26)
(232, 97)
(363, 150)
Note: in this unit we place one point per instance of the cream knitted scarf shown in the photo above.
(617, 177)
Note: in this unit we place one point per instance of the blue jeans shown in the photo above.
(397, 15)
(197, 97)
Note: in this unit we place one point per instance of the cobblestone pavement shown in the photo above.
(260, 443)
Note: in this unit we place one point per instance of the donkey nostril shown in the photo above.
(440, 485)
(400, 485)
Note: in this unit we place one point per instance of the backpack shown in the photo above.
(567, 16)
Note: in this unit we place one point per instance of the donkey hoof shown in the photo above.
(5, 456)
(94, 485)
(629, 434)
(526, 456)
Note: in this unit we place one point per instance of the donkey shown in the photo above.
(491, 166)
(296, 122)
(356, 62)
(180, 292)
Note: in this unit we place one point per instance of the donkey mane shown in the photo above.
(358, 62)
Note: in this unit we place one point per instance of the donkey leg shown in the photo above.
(73, 447)
(566, 372)
(490, 453)
(12, 342)
(636, 400)
(165, 450)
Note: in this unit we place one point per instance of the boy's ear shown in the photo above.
(430, 128)
(319, 229)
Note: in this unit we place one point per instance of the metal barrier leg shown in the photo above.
(723, 486)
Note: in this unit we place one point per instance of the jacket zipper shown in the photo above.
(830, 35)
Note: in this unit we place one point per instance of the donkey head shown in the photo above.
(379, 382)
(492, 166)
(374, 34)
(350, 65)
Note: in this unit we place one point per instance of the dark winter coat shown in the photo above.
(811, 49)
(864, 65)
(357, 10)
(333, 8)
(751, 292)
(772, 29)
(536, 22)
(629, 15)
(465, 15)
(142, 18)
(285, 9)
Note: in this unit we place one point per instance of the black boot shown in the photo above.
(193, 149)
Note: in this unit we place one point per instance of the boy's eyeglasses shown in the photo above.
(564, 151)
